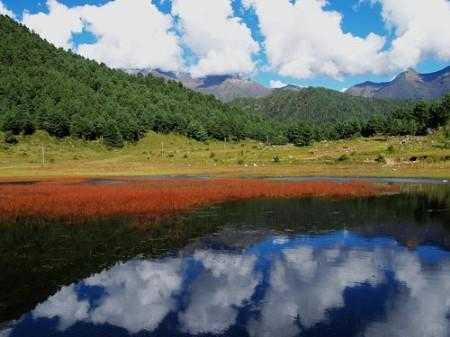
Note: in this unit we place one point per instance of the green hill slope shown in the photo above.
(318, 104)
(42, 87)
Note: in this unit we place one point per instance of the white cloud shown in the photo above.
(143, 40)
(137, 296)
(6, 11)
(421, 309)
(275, 84)
(306, 283)
(422, 29)
(302, 40)
(66, 306)
(222, 42)
(216, 295)
(56, 26)
(140, 38)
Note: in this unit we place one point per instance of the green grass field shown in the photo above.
(43, 156)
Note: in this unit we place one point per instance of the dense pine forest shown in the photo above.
(48, 88)
(42, 87)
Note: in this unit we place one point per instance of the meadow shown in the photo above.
(42, 156)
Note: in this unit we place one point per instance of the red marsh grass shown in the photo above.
(74, 200)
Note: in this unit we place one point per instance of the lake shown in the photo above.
(375, 266)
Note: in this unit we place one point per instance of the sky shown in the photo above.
(334, 43)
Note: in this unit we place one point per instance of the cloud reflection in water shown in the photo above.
(278, 287)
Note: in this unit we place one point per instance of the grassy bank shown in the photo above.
(158, 154)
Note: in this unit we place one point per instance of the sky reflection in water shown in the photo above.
(335, 284)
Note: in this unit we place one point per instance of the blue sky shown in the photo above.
(305, 42)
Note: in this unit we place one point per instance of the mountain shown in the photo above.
(407, 85)
(224, 87)
(291, 87)
(317, 104)
(46, 88)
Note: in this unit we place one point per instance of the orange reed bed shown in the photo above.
(152, 199)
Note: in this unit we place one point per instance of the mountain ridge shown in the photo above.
(407, 85)
(225, 87)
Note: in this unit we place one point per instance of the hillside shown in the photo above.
(318, 104)
(42, 87)
(407, 85)
(49, 89)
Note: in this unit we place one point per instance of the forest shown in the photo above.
(50, 89)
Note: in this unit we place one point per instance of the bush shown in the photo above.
(380, 159)
(344, 157)
(276, 159)
(10, 138)
(196, 131)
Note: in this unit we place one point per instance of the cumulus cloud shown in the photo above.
(66, 306)
(305, 283)
(141, 39)
(6, 11)
(221, 41)
(275, 84)
(56, 26)
(137, 296)
(227, 282)
(421, 27)
(303, 39)
(423, 306)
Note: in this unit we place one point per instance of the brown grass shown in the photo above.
(73, 200)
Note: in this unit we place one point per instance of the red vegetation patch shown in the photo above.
(151, 199)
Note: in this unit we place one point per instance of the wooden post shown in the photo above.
(43, 155)
(162, 149)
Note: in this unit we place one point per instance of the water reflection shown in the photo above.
(334, 284)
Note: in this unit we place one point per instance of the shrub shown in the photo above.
(276, 159)
(380, 159)
(344, 157)
(196, 131)
(10, 138)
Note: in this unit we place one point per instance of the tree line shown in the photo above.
(419, 120)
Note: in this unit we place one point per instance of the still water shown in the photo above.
(373, 267)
